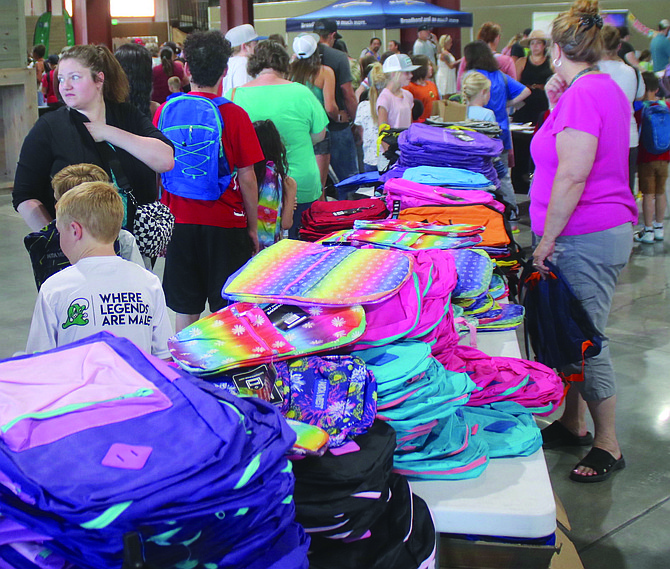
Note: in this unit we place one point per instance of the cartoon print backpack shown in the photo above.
(335, 393)
(194, 125)
(655, 129)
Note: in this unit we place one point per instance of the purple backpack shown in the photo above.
(402, 194)
(109, 440)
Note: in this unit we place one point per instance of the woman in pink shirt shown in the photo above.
(583, 210)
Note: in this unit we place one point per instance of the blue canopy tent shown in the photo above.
(380, 15)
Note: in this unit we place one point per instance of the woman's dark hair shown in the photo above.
(623, 31)
(478, 55)
(273, 149)
(611, 38)
(173, 46)
(305, 70)
(268, 55)
(39, 50)
(651, 82)
(384, 56)
(421, 72)
(365, 63)
(207, 56)
(98, 58)
(278, 38)
(578, 32)
(166, 60)
(135, 60)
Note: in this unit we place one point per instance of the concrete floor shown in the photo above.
(620, 524)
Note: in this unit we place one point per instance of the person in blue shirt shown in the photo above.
(505, 92)
(660, 47)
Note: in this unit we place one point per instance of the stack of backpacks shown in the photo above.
(102, 441)
(359, 513)
(425, 145)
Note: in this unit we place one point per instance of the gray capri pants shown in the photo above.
(591, 263)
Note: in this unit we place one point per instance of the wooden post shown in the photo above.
(235, 13)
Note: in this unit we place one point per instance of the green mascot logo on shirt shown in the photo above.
(76, 313)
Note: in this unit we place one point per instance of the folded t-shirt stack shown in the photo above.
(89, 454)
(425, 145)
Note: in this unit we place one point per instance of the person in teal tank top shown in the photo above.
(320, 80)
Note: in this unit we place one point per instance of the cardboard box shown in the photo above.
(449, 111)
(456, 552)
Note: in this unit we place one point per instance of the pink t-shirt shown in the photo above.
(596, 105)
(399, 109)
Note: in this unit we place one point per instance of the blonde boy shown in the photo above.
(43, 246)
(174, 84)
(100, 291)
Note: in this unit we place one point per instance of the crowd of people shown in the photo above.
(272, 122)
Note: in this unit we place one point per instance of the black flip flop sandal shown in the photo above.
(557, 435)
(602, 462)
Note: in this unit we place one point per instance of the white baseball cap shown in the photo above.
(398, 62)
(242, 34)
(304, 46)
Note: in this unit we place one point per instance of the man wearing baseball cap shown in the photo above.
(660, 47)
(243, 39)
(343, 157)
(426, 44)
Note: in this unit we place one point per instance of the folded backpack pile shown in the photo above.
(420, 400)
(425, 145)
(101, 440)
(323, 218)
(357, 512)
(478, 291)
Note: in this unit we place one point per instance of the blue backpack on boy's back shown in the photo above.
(194, 125)
(655, 128)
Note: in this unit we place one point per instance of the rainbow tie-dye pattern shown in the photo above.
(242, 334)
(300, 273)
(269, 207)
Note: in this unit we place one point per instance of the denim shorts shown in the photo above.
(323, 147)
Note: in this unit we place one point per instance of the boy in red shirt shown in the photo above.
(212, 238)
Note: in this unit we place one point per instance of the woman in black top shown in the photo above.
(94, 89)
(534, 71)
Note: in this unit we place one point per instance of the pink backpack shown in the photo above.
(402, 194)
(530, 384)
(418, 307)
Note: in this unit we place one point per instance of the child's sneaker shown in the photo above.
(645, 236)
(658, 232)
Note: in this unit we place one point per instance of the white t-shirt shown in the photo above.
(128, 248)
(237, 73)
(96, 294)
(370, 131)
(633, 87)
(426, 48)
(399, 109)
